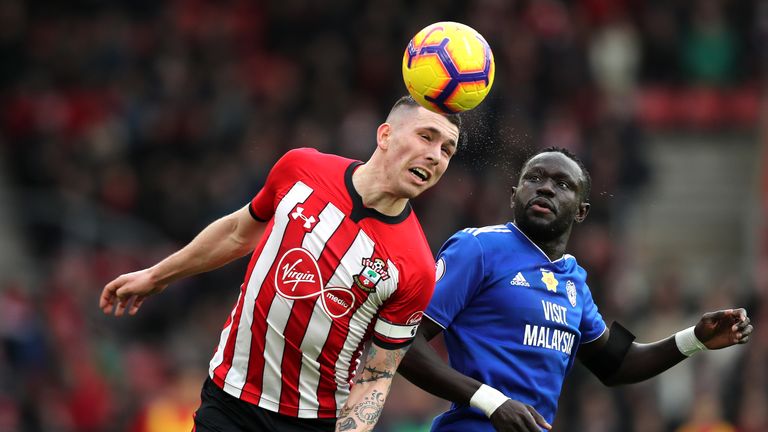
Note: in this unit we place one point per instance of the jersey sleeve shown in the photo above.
(592, 325)
(399, 319)
(459, 272)
(284, 173)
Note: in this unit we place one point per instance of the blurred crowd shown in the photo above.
(127, 126)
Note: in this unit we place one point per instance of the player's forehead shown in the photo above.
(553, 163)
(422, 118)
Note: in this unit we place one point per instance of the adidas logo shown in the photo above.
(519, 280)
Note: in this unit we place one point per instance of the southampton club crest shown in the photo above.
(374, 271)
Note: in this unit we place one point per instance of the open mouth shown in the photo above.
(422, 174)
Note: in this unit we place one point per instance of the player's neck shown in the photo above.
(553, 248)
(368, 182)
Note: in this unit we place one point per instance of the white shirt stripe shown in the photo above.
(329, 220)
(309, 377)
(237, 373)
(320, 324)
(350, 265)
(218, 357)
(271, 387)
(357, 327)
(280, 310)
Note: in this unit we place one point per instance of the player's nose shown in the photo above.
(546, 187)
(433, 154)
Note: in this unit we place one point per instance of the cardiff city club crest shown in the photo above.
(374, 271)
(570, 288)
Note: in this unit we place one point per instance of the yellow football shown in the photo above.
(448, 67)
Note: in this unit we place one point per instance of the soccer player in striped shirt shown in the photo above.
(516, 311)
(339, 259)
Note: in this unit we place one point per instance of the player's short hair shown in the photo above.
(572, 156)
(411, 102)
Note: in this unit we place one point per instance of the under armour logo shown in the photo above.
(308, 221)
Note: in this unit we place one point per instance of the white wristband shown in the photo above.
(688, 343)
(487, 399)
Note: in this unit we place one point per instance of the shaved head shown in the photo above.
(406, 103)
(396, 115)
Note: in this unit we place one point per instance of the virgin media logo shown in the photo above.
(298, 277)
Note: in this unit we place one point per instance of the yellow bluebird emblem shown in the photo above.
(549, 279)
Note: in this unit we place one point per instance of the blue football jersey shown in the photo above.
(513, 318)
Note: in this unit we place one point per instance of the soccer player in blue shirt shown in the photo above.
(516, 311)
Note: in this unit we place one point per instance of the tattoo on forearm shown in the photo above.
(369, 410)
(366, 411)
(345, 410)
(347, 424)
(373, 374)
(385, 371)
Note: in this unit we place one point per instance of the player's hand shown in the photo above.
(515, 416)
(130, 288)
(723, 328)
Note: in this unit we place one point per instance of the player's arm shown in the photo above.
(221, 242)
(425, 368)
(616, 359)
(366, 399)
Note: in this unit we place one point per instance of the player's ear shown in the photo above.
(581, 213)
(512, 197)
(383, 133)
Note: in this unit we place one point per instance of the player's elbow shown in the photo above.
(242, 236)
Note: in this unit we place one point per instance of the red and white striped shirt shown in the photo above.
(328, 275)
